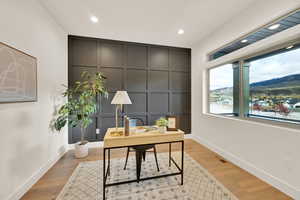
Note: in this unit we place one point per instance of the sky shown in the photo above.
(221, 77)
(264, 69)
(275, 66)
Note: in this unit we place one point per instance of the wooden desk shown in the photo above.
(137, 139)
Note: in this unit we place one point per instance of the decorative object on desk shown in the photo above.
(120, 98)
(132, 122)
(18, 75)
(151, 128)
(86, 179)
(136, 125)
(140, 129)
(172, 123)
(126, 126)
(80, 107)
(117, 134)
(162, 124)
(132, 125)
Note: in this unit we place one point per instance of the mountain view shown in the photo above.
(291, 81)
(278, 95)
(286, 85)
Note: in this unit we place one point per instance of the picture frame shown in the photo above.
(18, 75)
(173, 123)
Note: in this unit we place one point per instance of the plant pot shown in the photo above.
(162, 129)
(81, 149)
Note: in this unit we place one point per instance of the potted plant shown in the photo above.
(162, 124)
(80, 107)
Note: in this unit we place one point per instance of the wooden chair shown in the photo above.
(140, 152)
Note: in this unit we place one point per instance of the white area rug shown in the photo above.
(86, 181)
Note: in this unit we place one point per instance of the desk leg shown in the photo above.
(182, 160)
(170, 147)
(138, 158)
(108, 165)
(104, 181)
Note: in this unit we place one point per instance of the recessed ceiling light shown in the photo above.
(180, 31)
(289, 47)
(244, 41)
(94, 19)
(273, 27)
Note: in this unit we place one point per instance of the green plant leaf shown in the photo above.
(82, 103)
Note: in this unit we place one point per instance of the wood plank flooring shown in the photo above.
(244, 185)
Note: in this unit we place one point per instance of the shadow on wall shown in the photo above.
(57, 100)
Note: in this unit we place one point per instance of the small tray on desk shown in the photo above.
(144, 129)
(117, 133)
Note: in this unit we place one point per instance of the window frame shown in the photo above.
(208, 87)
(274, 21)
(243, 113)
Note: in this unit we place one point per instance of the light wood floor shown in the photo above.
(242, 184)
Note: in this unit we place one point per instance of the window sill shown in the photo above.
(292, 126)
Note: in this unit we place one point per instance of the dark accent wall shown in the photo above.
(157, 78)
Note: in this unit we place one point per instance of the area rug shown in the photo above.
(86, 181)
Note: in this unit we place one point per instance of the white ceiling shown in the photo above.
(146, 21)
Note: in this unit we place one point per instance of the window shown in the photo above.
(221, 89)
(275, 85)
(264, 86)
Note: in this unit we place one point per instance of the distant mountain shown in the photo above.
(287, 85)
(225, 89)
(291, 80)
(284, 86)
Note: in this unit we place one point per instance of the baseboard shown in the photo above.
(188, 136)
(35, 177)
(261, 174)
(90, 145)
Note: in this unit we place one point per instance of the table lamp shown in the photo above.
(120, 98)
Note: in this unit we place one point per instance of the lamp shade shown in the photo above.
(121, 97)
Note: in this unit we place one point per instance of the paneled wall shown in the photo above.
(157, 79)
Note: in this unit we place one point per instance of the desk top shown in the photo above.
(135, 138)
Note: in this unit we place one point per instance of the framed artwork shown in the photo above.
(173, 123)
(18, 75)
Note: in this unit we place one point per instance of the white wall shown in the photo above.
(269, 152)
(27, 144)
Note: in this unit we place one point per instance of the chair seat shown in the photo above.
(143, 147)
